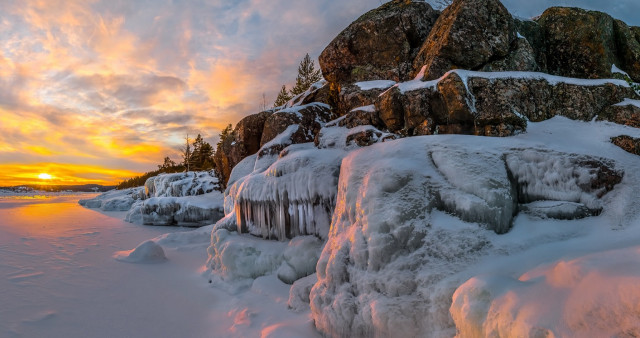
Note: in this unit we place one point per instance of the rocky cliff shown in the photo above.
(414, 56)
(405, 218)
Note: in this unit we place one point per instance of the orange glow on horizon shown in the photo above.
(60, 174)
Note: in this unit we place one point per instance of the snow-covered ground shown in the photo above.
(412, 249)
(416, 218)
(62, 275)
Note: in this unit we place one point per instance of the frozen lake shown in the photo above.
(58, 277)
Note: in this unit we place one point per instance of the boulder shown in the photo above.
(468, 34)
(522, 57)
(361, 117)
(532, 31)
(628, 143)
(381, 44)
(628, 48)
(579, 43)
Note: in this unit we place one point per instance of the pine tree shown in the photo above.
(196, 159)
(283, 97)
(307, 75)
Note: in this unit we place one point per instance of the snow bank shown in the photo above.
(114, 200)
(146, 252)
(595, 295)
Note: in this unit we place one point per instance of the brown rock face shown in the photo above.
(381, 44)
(351, 96)
(622, 114)
(243, 141)
(309, 118)
(467, 35)
(583, 44)
(628, 143)
(498, 106)
(628, 48)
(579, 43)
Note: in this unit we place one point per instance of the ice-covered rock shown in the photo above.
(146, 252)
(300, 258)
(185, 211)
(181, 184)
(594, 295)
(299, 293)
(390, 266)
(238, 259)
(114, 200)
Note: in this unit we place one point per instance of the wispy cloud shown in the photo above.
(112, 86)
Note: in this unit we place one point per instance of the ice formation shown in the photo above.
(594, 295)
(181, 184)
(187, 199)
(410, 217)
(186, 211)
(292, 197)
(114, 200)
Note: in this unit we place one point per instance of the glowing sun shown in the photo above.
(44, 176)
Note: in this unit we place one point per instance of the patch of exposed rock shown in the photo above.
(496, 104)
(628, 143)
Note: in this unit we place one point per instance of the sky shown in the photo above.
(96, 91)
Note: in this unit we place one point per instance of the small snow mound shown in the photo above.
(146, 252)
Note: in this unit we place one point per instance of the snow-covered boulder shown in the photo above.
(114, 200)
(184, 211)
(146, 252)
(594, 295)
(181, 184)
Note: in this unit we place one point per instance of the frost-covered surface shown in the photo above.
(593, 295)
(147, 252)
(376, 84)
(181, 184)
(292, 194)
(417, 83)
(186, 211)
(629, 102)
(186, 199)
(114, 200)
(291, 197)
(393, 259)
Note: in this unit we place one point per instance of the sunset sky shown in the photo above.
(97, 91)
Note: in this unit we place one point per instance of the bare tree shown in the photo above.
(186, 152)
